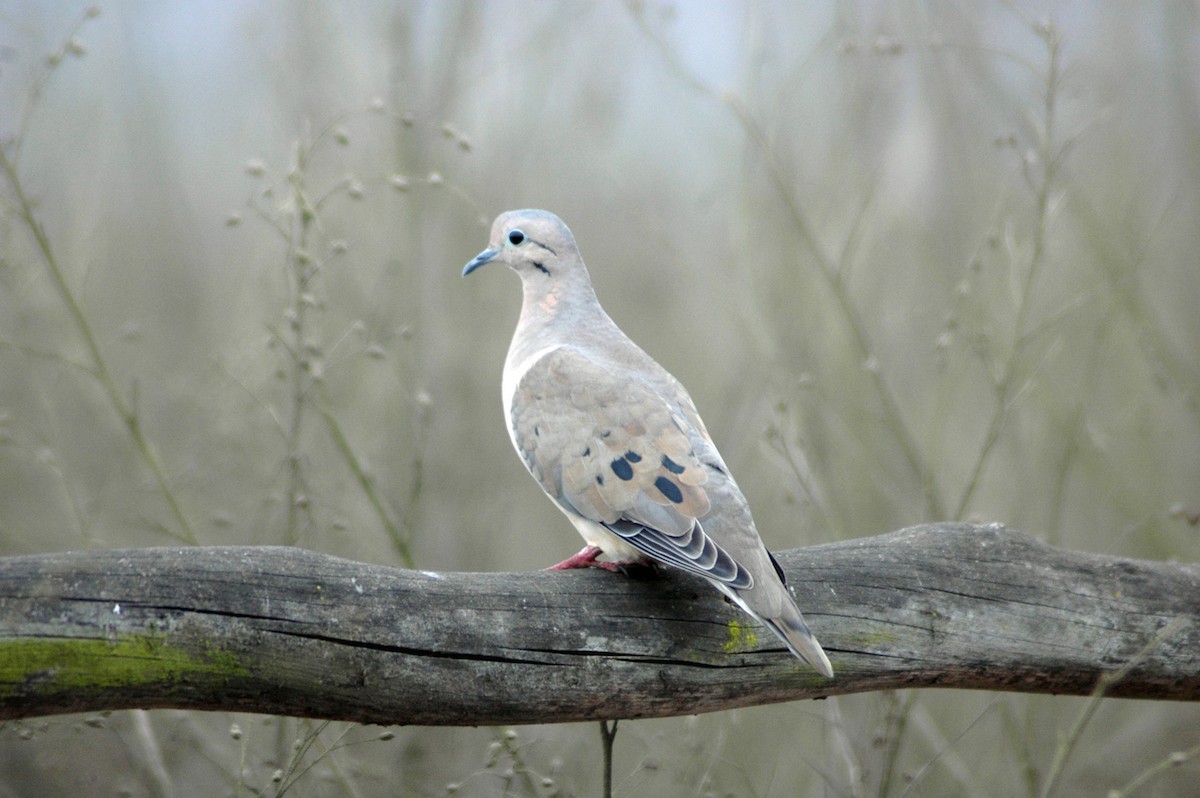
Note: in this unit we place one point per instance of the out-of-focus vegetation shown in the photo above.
(914, 261)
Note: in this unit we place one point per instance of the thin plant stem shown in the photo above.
(1007, 381)
(607, 735)
(1173, 760)
(899, 704)
(837, 739)
(364, 480)
(125, 410)
(305, 369)
(149, 755)
(945, 749)
(830, 269)
(297, 223)
(1019, 738)
(780, 442)
(326, 754)
(301, 269)
(296, 767)
(69, 47)
(409, 522)
(1107, 680)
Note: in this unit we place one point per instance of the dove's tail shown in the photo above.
(799, 639)
(792, 630)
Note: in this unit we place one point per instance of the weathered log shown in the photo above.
(292, 632)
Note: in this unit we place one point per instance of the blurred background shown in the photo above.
(914, 261)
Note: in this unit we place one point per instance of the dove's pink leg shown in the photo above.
(585, 558)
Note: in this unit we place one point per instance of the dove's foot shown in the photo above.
(586, 558)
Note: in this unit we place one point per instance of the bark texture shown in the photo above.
(293, 632)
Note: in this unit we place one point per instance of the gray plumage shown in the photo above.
(616, 441)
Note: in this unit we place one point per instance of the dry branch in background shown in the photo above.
(293, 632)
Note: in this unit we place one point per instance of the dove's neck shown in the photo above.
(565, 313)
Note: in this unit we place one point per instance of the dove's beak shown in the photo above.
(483, 257)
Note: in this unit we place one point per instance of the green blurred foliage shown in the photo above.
(914, 262)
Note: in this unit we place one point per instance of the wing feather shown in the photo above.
(618, 453)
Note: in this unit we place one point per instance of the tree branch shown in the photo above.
(292, 632)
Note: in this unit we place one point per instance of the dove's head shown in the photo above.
(534, 244)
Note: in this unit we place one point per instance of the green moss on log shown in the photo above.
(53, 665)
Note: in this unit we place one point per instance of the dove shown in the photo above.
(615, 441)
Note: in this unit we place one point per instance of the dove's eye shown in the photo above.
(516, 237)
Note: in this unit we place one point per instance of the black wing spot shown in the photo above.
(717, 467)
(633, 456)
(622, 469)
(778, 570)
(671, 465)
(599, 479)
(586, 452)
(669, 489)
